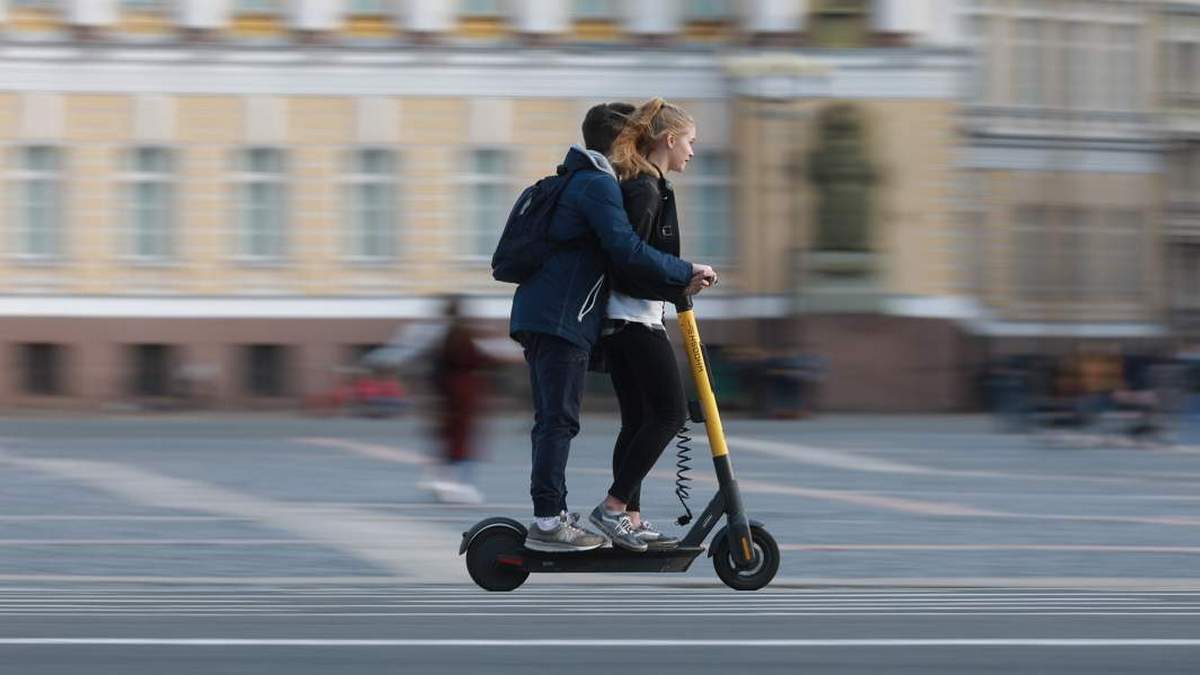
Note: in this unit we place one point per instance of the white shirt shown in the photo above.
(636, 310)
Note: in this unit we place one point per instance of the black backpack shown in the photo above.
(525, 243)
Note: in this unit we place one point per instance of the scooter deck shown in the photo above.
(608, 559)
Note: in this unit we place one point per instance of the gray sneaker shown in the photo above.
(618, 528)
(649, 534)
(653, 538)
(565, 537)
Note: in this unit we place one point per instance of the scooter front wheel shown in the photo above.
(758, 575)
(485, 559)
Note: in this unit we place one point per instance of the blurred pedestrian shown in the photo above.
(460, 385)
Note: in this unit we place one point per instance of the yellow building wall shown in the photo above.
(207, 129)
(95, 131)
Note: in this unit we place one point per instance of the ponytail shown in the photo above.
(653, 120)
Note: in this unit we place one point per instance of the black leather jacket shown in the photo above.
(650, 204)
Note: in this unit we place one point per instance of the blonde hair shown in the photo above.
(652, 121)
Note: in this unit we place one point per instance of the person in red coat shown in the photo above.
(460, 384)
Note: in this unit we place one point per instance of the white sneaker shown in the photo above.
(458, 493)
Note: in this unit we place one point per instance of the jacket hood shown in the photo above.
(579, 157)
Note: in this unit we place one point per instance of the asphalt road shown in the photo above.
(924, 545)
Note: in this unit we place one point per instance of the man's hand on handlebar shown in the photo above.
(703, 276)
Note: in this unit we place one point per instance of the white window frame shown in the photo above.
(354, 179)
(471, 235)
(131, 177)
(244, 178)
(695, 240)
(20, 176)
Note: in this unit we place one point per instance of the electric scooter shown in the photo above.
(744, 554)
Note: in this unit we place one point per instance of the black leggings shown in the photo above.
(646, 379)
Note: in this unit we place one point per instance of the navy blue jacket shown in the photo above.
(567, 296)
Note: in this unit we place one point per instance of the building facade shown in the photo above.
(254, 192)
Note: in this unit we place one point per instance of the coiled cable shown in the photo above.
(683, 464)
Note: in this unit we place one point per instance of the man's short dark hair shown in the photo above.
(603, 123)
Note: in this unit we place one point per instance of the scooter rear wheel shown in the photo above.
(766, 561)
(483, 556)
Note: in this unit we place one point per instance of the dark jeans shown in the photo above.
(646, 379)
(556, 373)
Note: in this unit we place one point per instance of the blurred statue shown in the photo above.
(843, 176)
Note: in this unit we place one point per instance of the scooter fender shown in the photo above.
(721, 533)
(487, 523)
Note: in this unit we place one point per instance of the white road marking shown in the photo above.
(868, 642)
(386, 453)
(406, 547)
(70, 517)
(1075, 548)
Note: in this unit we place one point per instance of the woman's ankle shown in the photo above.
(612, 504)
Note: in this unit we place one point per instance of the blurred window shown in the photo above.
(1183, 175)
(840, 23)
(1030, 74)
(367, 7)
(1078, 66)
(1122, 68)
(37, 202)
(265, 370)
(356, 353)
(1034, 253)
(1117, 261)
(489, 197)
(261, 189)
(145, 5)
(1185, 277)
(981, 84)
(257, 6)
(1183, 66)
(708, 231)
(149, 203)
(371, 204)
(1073, 251)
(35, 4)
(594, 9)
(151, 372)
(42, 367)
(489, 8)
(973, 198)
(707, 10)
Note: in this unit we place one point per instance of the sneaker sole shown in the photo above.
(615, 543)
(555, 547)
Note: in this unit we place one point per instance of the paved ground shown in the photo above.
(303, 546)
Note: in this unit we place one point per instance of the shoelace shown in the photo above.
(624, 526)
(646, 527)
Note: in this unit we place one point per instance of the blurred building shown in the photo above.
(1062, 200)
(243, 194)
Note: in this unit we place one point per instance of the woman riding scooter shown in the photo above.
(657, 139)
